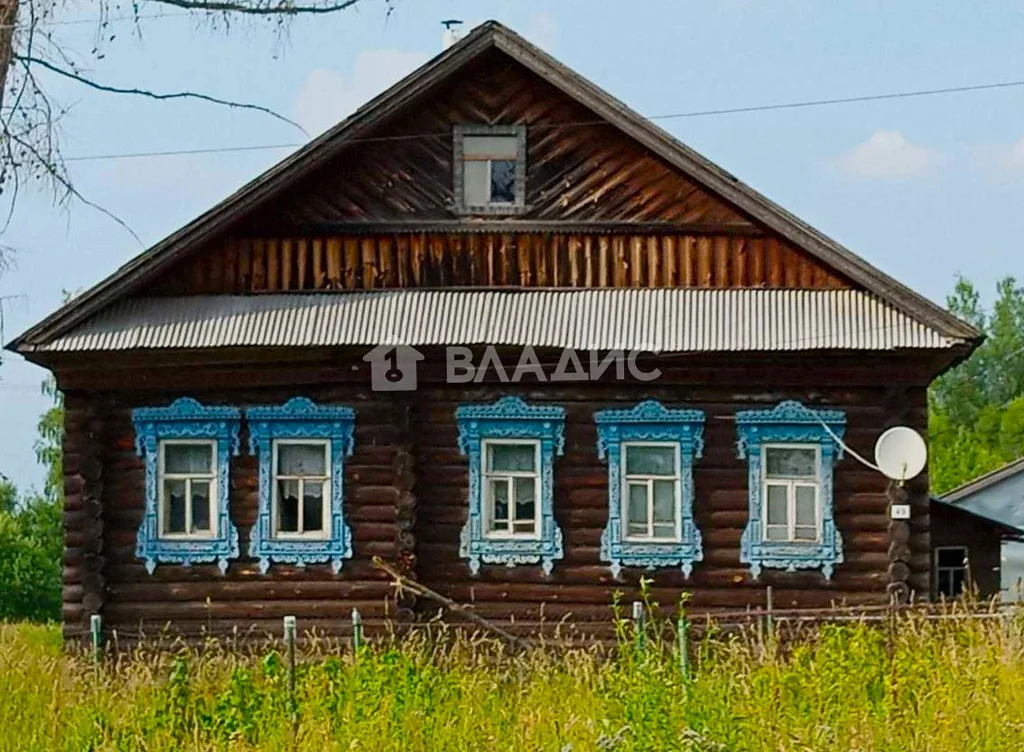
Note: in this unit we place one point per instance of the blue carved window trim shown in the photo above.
(511, 418)
(300, 418)
(791, 423)
(186, 419)
(650, 421)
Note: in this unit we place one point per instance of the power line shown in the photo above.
(581, 123)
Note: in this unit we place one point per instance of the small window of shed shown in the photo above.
(490, 169)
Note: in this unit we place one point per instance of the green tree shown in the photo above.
(31, 530)
(976, 415)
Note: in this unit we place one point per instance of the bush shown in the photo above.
(31, 548)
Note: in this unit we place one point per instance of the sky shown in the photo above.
(923, 188)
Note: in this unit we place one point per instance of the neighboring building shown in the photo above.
(998, 496)
(229, 458)
(967, 550)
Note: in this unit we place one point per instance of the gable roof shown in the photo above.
(489, 36)
(984, 481)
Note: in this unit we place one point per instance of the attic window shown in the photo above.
(490, 169)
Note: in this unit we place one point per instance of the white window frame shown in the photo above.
(488, 502)
(965, 567)
(650, 479)
(275, 513)
(211, 478)
(791, 484)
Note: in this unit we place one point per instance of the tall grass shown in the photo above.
(936, 685)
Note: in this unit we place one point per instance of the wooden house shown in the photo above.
(977, 532)
(231, 458)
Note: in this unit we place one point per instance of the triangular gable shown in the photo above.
(723, 189)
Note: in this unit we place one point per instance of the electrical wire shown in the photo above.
(576, 124)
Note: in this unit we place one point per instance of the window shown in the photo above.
(187, 490)
(302, 448)
(186, 448)
(950, 571)
(651, 486)
(650, 451)
(791, 451)
(301, 488)
(511, 478)
(791, 493)
(510, 448)
(490, 168)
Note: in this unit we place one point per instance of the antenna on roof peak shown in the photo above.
(451, 33)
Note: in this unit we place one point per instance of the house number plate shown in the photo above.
(900, 511)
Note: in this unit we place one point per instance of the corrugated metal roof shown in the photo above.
(672, 320)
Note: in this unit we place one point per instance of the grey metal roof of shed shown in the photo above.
(984, 481)
(662, 320)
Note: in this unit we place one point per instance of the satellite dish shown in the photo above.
(901, 453)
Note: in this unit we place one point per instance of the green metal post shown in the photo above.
(96, 631)
(357, 630)
(638, 626)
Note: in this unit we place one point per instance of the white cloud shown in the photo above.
(1000, 161)
(326, 97)
(887, 155)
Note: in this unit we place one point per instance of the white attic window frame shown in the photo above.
(459, 160)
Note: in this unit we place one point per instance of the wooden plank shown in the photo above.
(244, 265)
(353, 273)
(588, 261)
(333, 248)
(757, 276)
(654, 270)
(419, 258)
(541, 269)
(259, 268)
(806, 272)
(475, 264)
(689, 260)
(273, 249)
(507, 260)
(524, 252)
(319, 273)
(721, 262)
(439, 271)
(637, 261)
(386, 261)
(605, 277)
(670, 260)
(287, 263)
(456, 256)
(369, 263)
(620, 268)
(302, 262)
(491, 243)
(791, 267)
(705, 261)
(403, 260)
(774, 263)
(575, 253)
(230, 285)
(739, 261)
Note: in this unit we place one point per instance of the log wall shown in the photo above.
(494, 259)
(406, 498)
